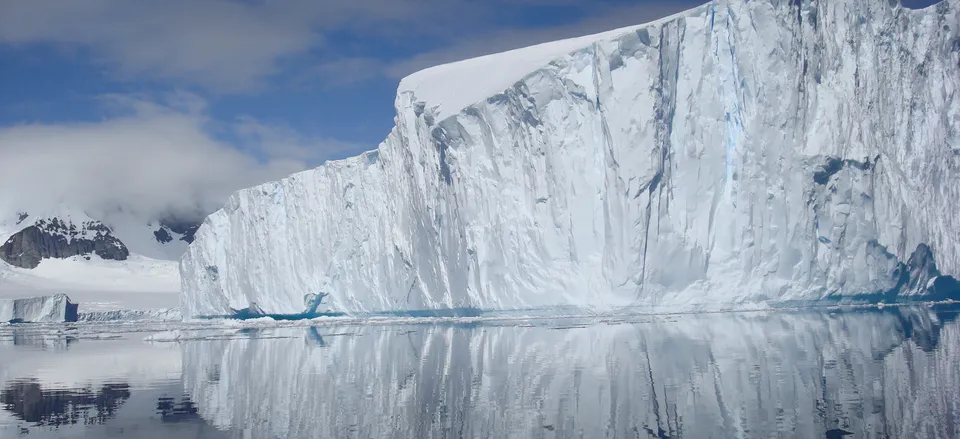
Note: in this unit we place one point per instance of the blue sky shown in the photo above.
(252, 89)
(323, 68)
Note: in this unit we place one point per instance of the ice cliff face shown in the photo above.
(55, 308)
(738, 153)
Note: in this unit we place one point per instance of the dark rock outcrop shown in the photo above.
(186, 229)
(162, 235)
(53, 238)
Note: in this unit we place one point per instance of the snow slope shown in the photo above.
(737, 154)
(97, 284)
(139, 237)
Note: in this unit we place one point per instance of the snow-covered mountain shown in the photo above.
(60, 237)
(64, 232)
(109, 260)
(737, 154)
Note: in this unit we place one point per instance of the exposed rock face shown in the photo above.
(186, 229)
(54, 238)
(162, 235)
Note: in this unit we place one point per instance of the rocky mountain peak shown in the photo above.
(59, 238)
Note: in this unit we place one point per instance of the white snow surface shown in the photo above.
(11, 223)
(683, 164)
(97, 284)
(449, 88)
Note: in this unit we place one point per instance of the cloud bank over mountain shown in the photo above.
(152, 156)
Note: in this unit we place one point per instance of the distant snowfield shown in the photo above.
(148, 279)
(97, 284)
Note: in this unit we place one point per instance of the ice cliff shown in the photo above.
(62, 235)
(55, 308)
(737, 154)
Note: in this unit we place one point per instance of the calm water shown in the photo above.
(893, 373)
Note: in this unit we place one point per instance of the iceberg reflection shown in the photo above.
(30, 401)
(892, 373)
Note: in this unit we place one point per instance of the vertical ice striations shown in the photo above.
(740, 152)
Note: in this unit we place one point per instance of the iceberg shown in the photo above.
(739, 154)
(45, 309)
(131, 315)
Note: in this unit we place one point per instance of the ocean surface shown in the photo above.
(864, 373)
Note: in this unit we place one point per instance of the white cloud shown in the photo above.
(343, 71)
(282, 142)
(223, 45)
(153, 158)
(597, 17)
(230, 46)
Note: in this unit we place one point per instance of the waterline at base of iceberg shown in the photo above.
(466, 315)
